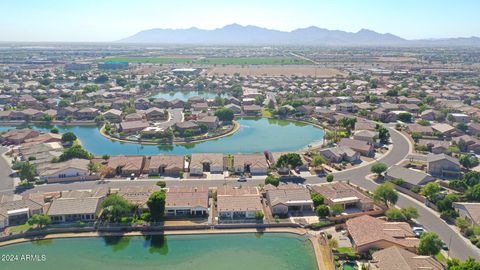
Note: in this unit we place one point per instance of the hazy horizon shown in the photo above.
(110, 20)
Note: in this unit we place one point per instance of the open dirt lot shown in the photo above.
(275, 71)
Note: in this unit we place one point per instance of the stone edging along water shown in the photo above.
(235, 128)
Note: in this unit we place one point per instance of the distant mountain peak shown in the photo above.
(233, 34)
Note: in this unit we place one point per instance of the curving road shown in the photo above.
(460, 247)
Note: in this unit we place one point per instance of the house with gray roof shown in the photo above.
(282, 201)
(340, 153)
(17, 212)
(411, 177)
(74, 209)
(443, 165)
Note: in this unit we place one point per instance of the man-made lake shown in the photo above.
(185, 95)
(279, 251)
(254, 135)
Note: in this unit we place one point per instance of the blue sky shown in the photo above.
(109, 20)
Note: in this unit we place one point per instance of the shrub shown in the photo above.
(161, 184)
(320, 225)
(322, 211)
(272, 180)
(330, 178)
(259, 215)
(317, 199)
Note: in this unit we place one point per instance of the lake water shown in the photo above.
(254, 135)
(185, 95)
(278, 251)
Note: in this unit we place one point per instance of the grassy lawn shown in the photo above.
(440, 257)
(19, 228)
(153, 60)
(266, 113)
(347, 250)
(255, 61)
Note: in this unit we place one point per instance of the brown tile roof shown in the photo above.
(254, 160)
(126, 162)
(167, 161)
(366, 230)
(398, 258)
(239, 203)
(138, 195)
(284, 196)
(356, 144)
(234, 191)
(340, 190)
(187, 199)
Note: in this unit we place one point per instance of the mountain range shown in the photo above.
(235, 34)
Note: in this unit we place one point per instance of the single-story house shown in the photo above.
(74, 209)
(368, 232)
(186, 201)
(206, 162)
(468, 210)
(274, 156)
(130, 127)
(363, 147)
(187, 125)
(445, 129)
(252, 109)
(165, 164)
(285, 200)
(399, 258)
(435, 146)
(70, 170)
(210, 121)
(17, 212)
(255, 164)
(18, 136)
(238, 208)
(366, 136)
(155, 114)
(344, 194)
(125, 165)
(411, 177)
(340, 153)
(138, 195)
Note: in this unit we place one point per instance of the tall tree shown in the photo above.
(115, 207)
(386, 194)
(430, 244)
(156, 204)
(291, 159)
(378, 168)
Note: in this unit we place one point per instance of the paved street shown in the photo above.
(459, 247)
(175, 116)
(6, 182)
